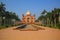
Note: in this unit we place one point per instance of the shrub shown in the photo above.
(58, 26)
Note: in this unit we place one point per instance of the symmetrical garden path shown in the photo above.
(47, 34)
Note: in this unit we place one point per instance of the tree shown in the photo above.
(51, 18)
(2, 11)
(43, 17)
(8, 15)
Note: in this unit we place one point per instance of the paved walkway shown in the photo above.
(47, 34)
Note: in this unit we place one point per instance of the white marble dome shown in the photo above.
(28, 13)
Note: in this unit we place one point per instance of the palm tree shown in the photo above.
(2, 11)
(55, 14)
(43, 17)
(48, 17)
(8, 15)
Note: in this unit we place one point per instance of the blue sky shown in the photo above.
(34, 6)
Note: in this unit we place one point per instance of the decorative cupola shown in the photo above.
(22, 15)
(34, 15)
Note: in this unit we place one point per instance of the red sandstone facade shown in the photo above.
(28, 18)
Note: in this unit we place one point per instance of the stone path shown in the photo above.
(47, 34)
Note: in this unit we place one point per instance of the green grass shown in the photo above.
(2, 27)
(7, 26)
(51, 26)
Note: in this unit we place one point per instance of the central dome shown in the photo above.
(28, 13)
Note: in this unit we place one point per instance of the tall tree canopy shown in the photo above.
(50, 18)
(6, 15)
